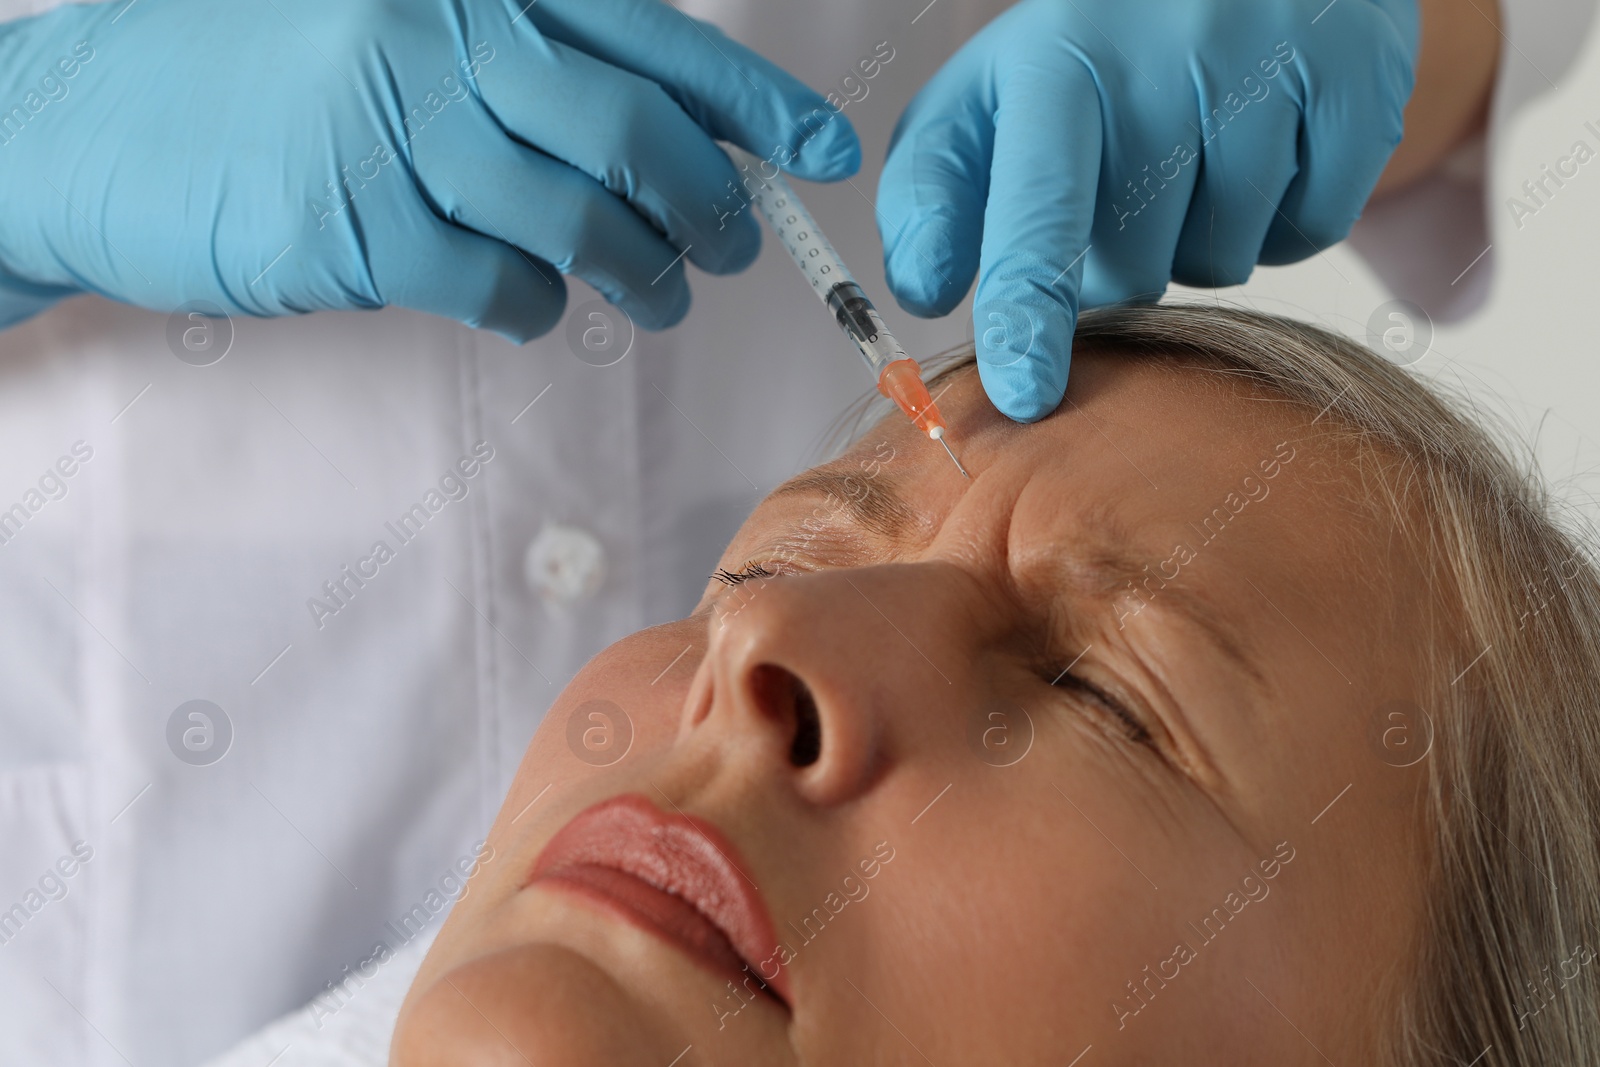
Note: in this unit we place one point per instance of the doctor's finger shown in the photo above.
(430, 265)
(1352, 125)
(1248, 164)
(931, 194)
(732, 92)
(558, 214)
(1042, 190)
(628, 135)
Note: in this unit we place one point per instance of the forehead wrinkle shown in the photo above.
(874, 503)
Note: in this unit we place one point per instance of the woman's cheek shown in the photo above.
(620, 709)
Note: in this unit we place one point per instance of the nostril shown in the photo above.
(787, 699)
(807, 743)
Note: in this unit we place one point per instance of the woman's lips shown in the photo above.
(676, 877)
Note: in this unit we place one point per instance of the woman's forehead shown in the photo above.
(1141, 433)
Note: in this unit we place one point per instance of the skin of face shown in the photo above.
(1188, 849)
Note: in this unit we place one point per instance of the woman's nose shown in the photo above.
(827, 677)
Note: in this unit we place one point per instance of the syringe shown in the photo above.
(898, 376)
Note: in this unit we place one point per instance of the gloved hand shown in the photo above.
(454, 156)
(1093, 150)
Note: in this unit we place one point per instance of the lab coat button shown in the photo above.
(565, 563)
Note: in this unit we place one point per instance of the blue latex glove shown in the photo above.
(1094, 150)
(454, 156)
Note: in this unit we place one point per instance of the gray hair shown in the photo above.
(1513, 778)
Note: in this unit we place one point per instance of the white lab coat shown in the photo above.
(372, 745)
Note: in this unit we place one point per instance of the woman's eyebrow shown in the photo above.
(874, 503)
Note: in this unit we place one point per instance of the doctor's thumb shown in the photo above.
(1023, 338)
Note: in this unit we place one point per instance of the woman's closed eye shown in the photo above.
(754, 569)
(1125, 720)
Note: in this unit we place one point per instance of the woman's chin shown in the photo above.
(534, 1003)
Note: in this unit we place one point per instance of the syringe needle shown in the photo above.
(953, 458)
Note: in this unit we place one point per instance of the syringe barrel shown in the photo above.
(864, 326)
(811, 251)
(797, 231)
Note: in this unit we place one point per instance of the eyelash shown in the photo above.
(1134, 729)
(744, 574)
